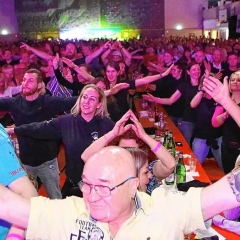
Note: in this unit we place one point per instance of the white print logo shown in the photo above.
(94, 136)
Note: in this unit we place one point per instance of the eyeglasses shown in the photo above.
(102, 191)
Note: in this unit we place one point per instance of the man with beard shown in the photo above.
(38, 156)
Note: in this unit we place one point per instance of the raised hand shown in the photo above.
(68, 62)
(137, 126)
(120, 126)
(207, 65)
(118, 87)
(219, 74)
(164, 74)
(55, 61)
(25, 46)
(218, 91)
(107, 45)
(149, 97)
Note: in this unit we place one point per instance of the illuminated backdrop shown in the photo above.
(83, 18)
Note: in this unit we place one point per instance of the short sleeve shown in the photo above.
(181, 87)
(10, 168)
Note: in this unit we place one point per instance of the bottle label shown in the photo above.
(170, 179)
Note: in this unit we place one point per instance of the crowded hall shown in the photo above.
(119, 120)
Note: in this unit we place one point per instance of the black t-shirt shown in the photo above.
(231, 131)
(188, 92)
(203, 127)
(13, 62)
(79, 61)
(165, 88)
(227, 72)
(122, 97)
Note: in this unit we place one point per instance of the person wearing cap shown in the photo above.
(118, 54)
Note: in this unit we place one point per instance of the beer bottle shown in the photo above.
(171, 144)
(165, 141)
(180, 170)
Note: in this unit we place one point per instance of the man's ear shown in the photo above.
(40, 85)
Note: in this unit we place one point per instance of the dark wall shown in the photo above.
(51, 15)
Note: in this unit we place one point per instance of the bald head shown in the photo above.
(112, 158)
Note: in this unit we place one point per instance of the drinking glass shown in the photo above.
(192, 164)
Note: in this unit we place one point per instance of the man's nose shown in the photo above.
(93, 196)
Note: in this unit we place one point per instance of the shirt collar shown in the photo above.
(218, 67)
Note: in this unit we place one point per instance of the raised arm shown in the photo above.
(116, 88)
(105, 55)
(49, 130)
(96, 53)
(220, 93)
(222, 195)
(196, 99)
(39, 53)
(219, 116)
(167, 163)
(118, 130)
(126, 55)
(149, 79)
(16, 90)
(88, 77)
(165, 101)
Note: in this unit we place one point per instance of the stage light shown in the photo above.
(179, 27)
(4, 32)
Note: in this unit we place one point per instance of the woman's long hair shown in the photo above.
(102, 111)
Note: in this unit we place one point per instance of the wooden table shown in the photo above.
(178, 137)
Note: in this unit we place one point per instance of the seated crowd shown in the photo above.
(80, 94)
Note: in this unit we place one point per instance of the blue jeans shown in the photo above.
(186, 129)
(201, 150)
(176, 120)
(48, 172)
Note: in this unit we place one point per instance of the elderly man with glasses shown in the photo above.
(112, 208)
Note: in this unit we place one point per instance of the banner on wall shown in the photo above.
(238, 24)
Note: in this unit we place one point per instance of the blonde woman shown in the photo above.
(230, 129)
(87, 122)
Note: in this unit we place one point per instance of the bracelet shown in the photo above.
(15, 235)
(201, 90)
(224, 116)
(157, 147)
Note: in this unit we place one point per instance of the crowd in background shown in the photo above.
(80, 93)
(109, 62)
